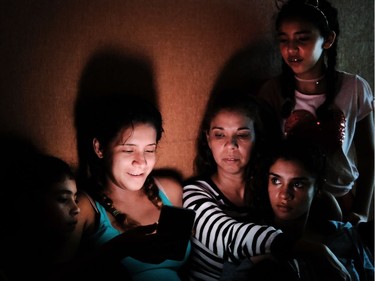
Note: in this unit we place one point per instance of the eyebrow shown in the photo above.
(297, 178)
(239, 129)
(132, 144)
(63, 191)
(297, 33)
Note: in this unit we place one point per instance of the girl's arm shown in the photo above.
(364, 143)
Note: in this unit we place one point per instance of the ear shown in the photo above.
(329, 40)
(97, 149)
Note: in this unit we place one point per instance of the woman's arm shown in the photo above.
(221, 234)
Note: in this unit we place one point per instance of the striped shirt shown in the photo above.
(220, 234)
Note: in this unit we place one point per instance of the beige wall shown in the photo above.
(50, 49)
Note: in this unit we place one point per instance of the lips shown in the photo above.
(230, 159)
(135, 174)
(284, 208)
(294, 59)
(71, 225)
(73, 222)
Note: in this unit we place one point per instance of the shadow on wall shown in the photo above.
(249, 68)
(109, 73)
(16, 177)
(244, 74)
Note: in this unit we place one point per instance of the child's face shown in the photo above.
(291, 189)
(231, 137)
(131, 157)
(61, 206)
(301, 46)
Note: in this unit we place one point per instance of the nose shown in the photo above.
(286, 192)
(292, 47)
(233, 142)
(75, 210)
(139, 159)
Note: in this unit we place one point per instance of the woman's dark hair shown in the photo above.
(325, 18)
(228, 100)
(307, 154)
(115, 113)
(238, 101)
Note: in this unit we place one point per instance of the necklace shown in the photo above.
(316, 80)
(108, 205)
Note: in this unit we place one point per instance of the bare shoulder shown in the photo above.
(172, 188)
(88, 211)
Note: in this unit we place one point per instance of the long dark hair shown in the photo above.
(325, 18)
(234, 100)
(308, 154)
(114, 114)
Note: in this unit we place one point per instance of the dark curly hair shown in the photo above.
(113, 114)
(309, 155)
(249, 105)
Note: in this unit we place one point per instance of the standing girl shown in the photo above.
(315, 101)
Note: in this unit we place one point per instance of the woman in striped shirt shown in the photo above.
(222, 197)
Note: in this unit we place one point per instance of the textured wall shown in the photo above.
(51, 50)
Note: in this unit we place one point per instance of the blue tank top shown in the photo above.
(139, 271)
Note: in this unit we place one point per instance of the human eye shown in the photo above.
(298, 184)
(218, 134)
(127, 149)
(303, 38)
(274, 180)
(63, 199)
(282, 39)
(244, 136)
(150, 149)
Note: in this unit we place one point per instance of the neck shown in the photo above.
(315, 80)
(292, 227)
(232, 187)
(228, 181)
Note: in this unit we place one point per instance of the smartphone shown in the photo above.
(176, 225)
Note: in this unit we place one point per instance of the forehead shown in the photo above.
(227, 116)
(298, 24)
(139, 130)
(292, 166)
(67, 185)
